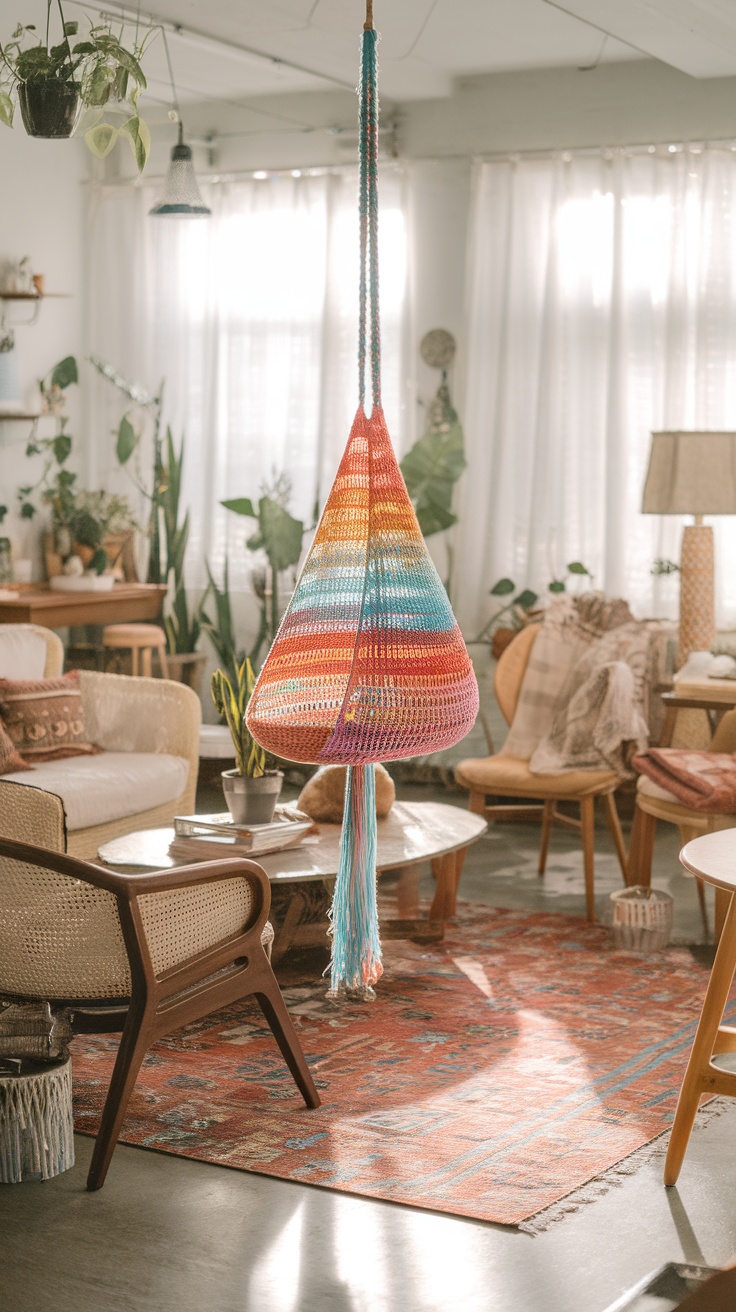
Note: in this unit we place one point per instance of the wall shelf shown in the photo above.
(8, 416)
(34, 296)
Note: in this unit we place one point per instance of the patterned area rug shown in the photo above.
(497, 1071)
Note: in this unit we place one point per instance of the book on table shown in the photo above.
(213, 836)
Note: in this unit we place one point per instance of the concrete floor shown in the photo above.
(170, 1235)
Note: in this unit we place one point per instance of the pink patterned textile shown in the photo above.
(704, 781)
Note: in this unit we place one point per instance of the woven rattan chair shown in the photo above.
(144, 953)
(654, 803)
(510, 776)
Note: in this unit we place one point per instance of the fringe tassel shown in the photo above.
(356, 946)
(36, 1127)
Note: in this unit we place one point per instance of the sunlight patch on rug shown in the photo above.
(497, 1072)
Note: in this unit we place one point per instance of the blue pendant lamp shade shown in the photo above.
(181, 198)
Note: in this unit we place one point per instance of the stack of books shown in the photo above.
(209, 837)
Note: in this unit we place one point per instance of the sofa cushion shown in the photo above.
(648, 788)
(22, 652)
(45, 717)
(97, 789)
(10, 761)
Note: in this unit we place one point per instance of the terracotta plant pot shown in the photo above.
(252, 801)
(49, 108)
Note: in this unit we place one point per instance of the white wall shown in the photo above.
(42, 216)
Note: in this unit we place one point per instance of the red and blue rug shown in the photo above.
(497, 1071)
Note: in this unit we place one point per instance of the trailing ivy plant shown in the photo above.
(56, 482)
(518, 607)
(106, 74)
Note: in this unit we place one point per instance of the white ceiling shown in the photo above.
(234, 50)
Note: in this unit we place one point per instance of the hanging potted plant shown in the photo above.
(252, 788)
(53, 83)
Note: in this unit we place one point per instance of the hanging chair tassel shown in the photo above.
(356, 946)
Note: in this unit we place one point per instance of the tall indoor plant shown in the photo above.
(252, 788)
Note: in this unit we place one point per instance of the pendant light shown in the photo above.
(182, 198)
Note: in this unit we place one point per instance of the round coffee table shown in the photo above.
(712, 857)
(410, 835)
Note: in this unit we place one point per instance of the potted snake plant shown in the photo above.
(252, 788)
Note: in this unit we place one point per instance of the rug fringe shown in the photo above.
(615, 1175)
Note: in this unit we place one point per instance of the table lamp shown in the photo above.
(693, 474)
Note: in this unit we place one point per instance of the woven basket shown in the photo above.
(642, 918)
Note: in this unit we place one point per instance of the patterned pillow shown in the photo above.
(10, 761)
(45, 717)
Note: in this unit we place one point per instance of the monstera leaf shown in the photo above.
(279, 534)
(433, 465)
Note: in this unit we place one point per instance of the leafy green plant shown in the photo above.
(182, 625)
(433, 465)
(231, 701)
(128, 442)
(55, 483)
(106, 74)
(221, 629)
(280, 536)
(661, 566)
(517, 608)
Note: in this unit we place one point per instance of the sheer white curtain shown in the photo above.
(601, 305)
(251, 320)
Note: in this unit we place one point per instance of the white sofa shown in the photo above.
(146, 773)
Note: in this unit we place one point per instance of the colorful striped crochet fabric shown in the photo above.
(369, 663)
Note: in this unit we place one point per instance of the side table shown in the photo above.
(412, 834)
(712, 858)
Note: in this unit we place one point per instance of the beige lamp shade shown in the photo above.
(691, 474)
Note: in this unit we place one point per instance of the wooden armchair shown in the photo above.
(504, 775)
(147, 953)
(654, 803)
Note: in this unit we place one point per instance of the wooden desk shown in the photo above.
(57, 610)
(712, 858)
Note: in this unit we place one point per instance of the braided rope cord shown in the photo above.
(369, 328)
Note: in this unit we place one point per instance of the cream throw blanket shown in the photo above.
(589, 696)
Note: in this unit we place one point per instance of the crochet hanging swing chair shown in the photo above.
(368, 664)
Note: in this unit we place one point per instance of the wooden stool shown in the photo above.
(135, 638)
(712, 858)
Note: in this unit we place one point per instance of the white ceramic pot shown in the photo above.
(252, 801)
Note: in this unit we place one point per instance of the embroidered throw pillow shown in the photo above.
(44, 718)
(10, 761)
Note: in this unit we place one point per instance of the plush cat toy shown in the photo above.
(323, 797)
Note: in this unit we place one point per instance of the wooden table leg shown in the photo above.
(445, 896)
(407, 892)
(701, 1076)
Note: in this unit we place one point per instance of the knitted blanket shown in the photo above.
(590, 695)
(703, 781)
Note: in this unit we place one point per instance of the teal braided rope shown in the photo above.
(369, 318)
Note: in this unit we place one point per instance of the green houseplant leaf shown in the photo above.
(64, 373)
(101, 139)
(281, 533)
(430, 469)
(241, 506)
(140, 140)
(127, 440)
